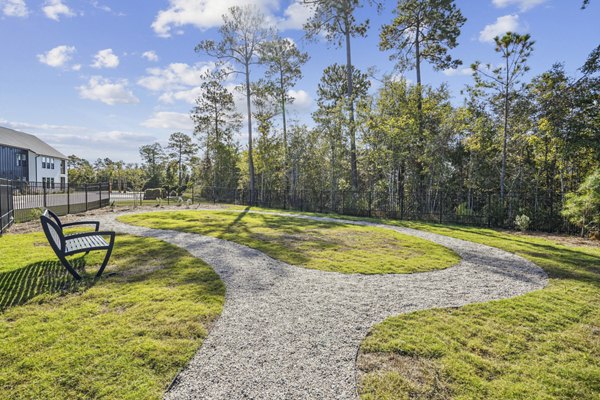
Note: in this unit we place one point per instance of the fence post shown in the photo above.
(441, 208)
(86, 196)
(44, 193)
(489, 210)
(100, 194)
(68, 199)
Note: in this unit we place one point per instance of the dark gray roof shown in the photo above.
(21, 140)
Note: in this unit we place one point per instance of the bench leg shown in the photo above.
(107, 257)
(69, 267)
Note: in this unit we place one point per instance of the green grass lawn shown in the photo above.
(318, 245)
(543, 345)
(124, 337)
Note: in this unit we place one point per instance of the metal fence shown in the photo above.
(6, 205)
(29, 198)
(468, 207)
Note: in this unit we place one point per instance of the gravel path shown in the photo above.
(292, 333)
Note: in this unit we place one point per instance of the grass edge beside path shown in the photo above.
(124, 337)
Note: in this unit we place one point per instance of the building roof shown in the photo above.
(21, 140)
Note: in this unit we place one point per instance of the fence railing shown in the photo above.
(29, 198)
(6, 205)
(468, 208)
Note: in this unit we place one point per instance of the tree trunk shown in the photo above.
(286, 171)
(179, 175)
(505, 138)
(419, 168)
(353, 167)
(250, 158)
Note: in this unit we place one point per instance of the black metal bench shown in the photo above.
(67, 245)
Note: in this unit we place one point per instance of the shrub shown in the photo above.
(522, 222)
(464, 210)
(35, 213)
(582, 208)
(153, 194)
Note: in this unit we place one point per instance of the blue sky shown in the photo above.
(100, 78)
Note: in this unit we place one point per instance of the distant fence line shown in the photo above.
(470, 208)
(21, 201)
(30, 197)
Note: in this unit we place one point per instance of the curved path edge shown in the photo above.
(287, 332)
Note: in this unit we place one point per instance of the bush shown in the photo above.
(153, 194)
(35, 213)
(522, 222)
(463, 211)
(582, 208)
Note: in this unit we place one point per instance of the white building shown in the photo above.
(25, 157)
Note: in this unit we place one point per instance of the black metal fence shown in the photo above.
(6, 205)
(468, 208)
(29, 198)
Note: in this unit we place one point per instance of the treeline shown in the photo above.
(524, 141)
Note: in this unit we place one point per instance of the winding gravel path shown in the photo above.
(292, 333)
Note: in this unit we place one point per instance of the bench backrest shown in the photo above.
(53, 233)
(54, 217)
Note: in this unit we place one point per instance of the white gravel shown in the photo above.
(288, 332)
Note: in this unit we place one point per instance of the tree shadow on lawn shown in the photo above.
(43, 277)
(559, 262)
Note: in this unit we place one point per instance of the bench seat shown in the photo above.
(79, 244)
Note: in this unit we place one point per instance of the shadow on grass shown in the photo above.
(559, 262)
(43, 277)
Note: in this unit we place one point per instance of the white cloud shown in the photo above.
(206, 14)
(107, 91)
(14, 8)
(99, 6)
(169, 120)
(55, 8)
(189, 95)
(26, 126)
(523, 5)
(58, 56)
(178, 81)
(86, 142)
(105, 59)
(175, 76)
(76, 67)
(150, 55)
(458, 71)
(92, 144)
(302, 100)
(506, 23)
(295, 15)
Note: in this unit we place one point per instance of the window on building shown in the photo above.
(52, 183)
(51, 163)
(44, 163)
(63, 169)
(44, 182)
(21, 160)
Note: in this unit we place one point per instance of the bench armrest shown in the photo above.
(96, 223)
